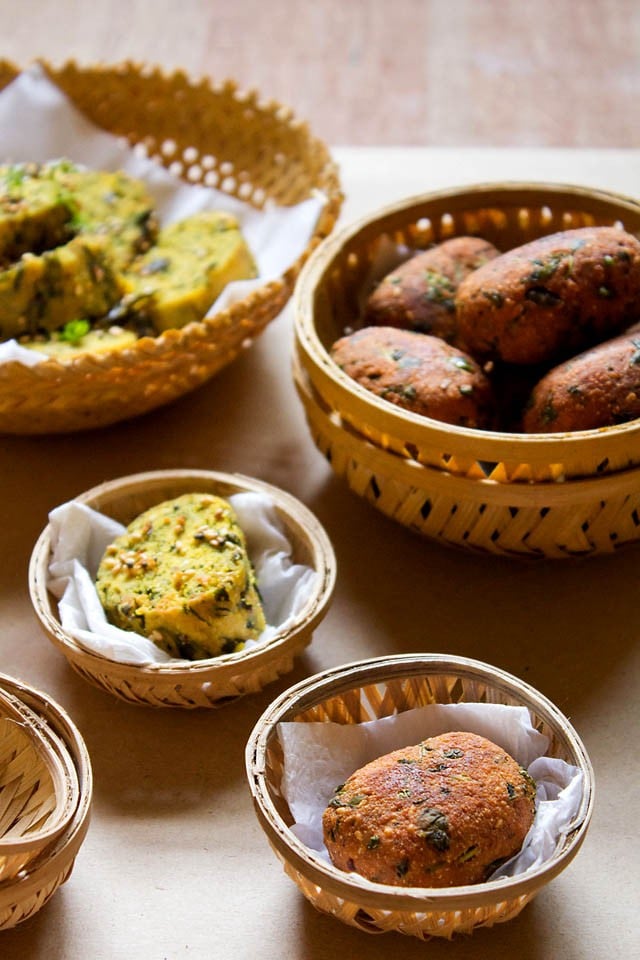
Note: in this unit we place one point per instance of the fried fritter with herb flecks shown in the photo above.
(552, 297)
(597, 388)
(420, 293)
(443, 813)
(418, 372)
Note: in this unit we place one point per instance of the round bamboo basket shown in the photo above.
(200, 683)
(206, 133)
(22, 895)
(539, 495)
(38, 786)
(370, 689)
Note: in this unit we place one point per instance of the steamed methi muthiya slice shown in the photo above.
(50, 279)
(181, 576)
(46, 291)
(33, 214)
(77, 338)
(109, 204)
(44, 205)
(181, 275)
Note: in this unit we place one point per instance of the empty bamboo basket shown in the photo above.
(543, 495)
(199, 683)
(371, 689)
(38, 787)
(25, 890)
(254, 150)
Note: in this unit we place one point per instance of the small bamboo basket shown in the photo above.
(371, 689)
(25, 890)
(208, 134)
(543, 495)
(200, 683)
(38, 787)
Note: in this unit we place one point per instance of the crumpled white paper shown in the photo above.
(80, 535)
(319, 756)
(38, 123)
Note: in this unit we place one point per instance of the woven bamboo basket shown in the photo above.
(542, 495)
(206, 133)
(27, 891)
(38, 787)
(201, 683)
(371, 689)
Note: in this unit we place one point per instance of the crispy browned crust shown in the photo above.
(551, 297)
(418, 372)
(438, 814)
(420, 293)
(598, 388)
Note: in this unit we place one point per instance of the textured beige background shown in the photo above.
(175, 864)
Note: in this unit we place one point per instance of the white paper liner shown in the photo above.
(319, 756)
(80, 535)
(38, 123)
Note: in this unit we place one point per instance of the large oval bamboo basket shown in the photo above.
(207, 133)
(543, 495)
(200, 683)
(368, 690)
(28, 890)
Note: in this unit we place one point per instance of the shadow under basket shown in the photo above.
(371, 689)
(26, 886)
(208, 134)
(198, 683)
(538, 495)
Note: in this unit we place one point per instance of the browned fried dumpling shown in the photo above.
(598, 388)
(419, 373)
(442, 813)
(552, 297)
(420, 293)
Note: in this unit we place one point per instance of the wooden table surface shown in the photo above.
(419, 72)
(175, 864)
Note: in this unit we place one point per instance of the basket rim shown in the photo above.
(351, 887)
(227, 84)
(232, 663)
(59, 763)
(379, 412)
(217, 340)
(526, 493)
(50, 865)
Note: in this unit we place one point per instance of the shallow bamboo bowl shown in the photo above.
(371, 689)
(38, 787)
(201, 683)
(29, 890)
(206, 133)
(543, 495)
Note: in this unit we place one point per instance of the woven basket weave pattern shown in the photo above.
(374, 689)
(217, 136)
(555, 495)
(38, 786)
(574, 518)
(203, 683)
(28, 889)
(27, 797)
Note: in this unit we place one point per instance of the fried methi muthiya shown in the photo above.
(442, 813)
